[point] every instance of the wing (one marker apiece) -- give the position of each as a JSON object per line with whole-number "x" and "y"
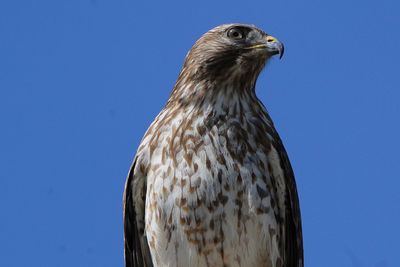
{"x": 137, "y": 253}
{"x": 293, "y": 231}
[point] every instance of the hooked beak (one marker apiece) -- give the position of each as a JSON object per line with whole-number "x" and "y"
{"x": 271, "y": 45}
{"x": 274, "y": 46}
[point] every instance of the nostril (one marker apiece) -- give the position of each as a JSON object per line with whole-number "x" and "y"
{"x": 270, "y": 40}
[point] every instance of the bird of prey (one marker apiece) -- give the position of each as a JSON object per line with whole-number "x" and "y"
{"x": 211, "y": 184}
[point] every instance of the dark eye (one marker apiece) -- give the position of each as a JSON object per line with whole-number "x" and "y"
{"x": 236, "y": 34}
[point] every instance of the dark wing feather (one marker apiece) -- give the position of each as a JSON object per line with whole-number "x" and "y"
{"x": 293, "y": 231}
{"x": 137, "y": 253}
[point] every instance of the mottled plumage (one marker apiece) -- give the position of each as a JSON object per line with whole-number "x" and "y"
{"x": 211, "y": 183}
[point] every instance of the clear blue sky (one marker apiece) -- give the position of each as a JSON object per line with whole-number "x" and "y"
{"x": 80, "y": 81}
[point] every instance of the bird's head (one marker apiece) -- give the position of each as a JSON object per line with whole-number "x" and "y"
{"x": 231, "y": 51}
{"x": 226, "y": 59}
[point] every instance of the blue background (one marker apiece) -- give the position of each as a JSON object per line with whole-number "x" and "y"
{"x": 80, "y": 81}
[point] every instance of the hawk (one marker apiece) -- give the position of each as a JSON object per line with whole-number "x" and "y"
{"x": 211, "y": 183}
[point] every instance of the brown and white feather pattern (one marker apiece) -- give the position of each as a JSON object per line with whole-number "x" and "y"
{"x": 209, "y": 186}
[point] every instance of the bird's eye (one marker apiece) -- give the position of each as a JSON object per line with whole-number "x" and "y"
{"x": 236, "y": 34}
